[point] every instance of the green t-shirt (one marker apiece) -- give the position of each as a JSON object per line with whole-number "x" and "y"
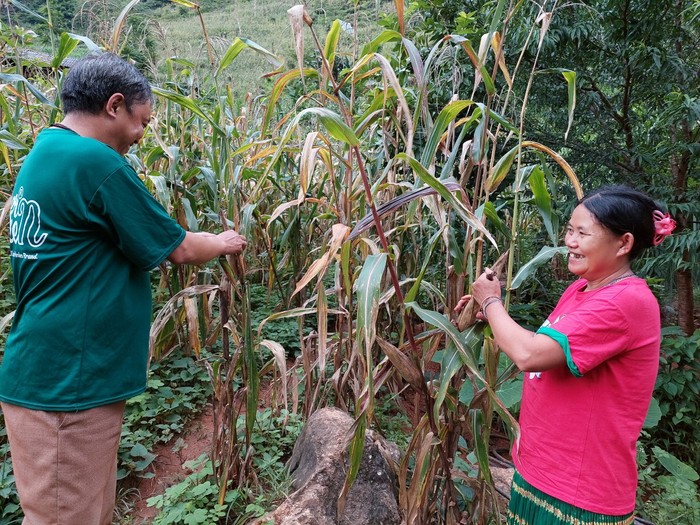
{"x": 84, "y": 234}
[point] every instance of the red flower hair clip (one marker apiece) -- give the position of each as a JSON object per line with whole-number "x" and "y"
{"x": 663, "y": 226}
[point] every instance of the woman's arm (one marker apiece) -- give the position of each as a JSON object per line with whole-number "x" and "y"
{"x": 529, "y": 351}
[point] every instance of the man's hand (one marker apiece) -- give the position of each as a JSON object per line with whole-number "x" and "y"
{"x": 200, "y": 247}
{"x": 234, "y": 243}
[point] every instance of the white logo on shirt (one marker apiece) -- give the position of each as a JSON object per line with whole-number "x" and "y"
{"x": 25, "y": 222}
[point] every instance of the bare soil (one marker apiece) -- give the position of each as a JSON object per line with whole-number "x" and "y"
{"x": 168, "y": 465}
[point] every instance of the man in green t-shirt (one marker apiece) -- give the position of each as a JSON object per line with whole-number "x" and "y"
{"x": 84, "y": 234}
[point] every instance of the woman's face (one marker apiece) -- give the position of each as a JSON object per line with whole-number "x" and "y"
{"x": 594, "y": 251}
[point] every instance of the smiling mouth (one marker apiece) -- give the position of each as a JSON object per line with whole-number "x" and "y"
{"x": 575, "y": 256}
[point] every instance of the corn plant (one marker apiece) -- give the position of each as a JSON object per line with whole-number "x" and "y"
{"x": 369, "y": 211}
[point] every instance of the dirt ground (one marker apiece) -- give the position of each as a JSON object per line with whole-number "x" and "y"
{"x": 167, "y": 467}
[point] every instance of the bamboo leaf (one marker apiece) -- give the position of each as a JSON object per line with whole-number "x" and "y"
{"x": 529, "y": 268}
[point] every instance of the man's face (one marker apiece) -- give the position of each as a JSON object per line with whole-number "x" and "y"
{"x": 130, "y": 125}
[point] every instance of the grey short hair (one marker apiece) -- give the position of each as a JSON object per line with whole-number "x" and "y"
{"x": 95, "y": 78}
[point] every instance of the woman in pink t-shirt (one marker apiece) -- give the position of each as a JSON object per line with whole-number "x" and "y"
{"x": 589, "y": 370}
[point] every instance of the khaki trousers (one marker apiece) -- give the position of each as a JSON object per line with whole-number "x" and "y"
{"x": 65, "y": 463}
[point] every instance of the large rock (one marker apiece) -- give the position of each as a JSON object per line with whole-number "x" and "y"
{"x": 318, "y": 467}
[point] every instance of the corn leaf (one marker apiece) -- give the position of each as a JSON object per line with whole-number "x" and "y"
{"x": 529, "y": 268}
{"x": 13, "y": 79}
{"x": 456, "y": 204}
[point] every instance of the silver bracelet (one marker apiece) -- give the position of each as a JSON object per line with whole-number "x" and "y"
{"x": 488, "y": 301}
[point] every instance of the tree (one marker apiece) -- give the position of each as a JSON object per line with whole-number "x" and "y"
{"x": 637, "y": 65}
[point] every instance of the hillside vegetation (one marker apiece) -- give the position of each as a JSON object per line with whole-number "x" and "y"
{"x": 266, "y": 23}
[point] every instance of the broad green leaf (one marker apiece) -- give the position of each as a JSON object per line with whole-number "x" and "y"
{"x": 85, "y": 40}
{"x": 653, "y": 414}
{"x": 489, "y": 210}
{"x": 560, "y": 161}
{"x": 367, "y": 287}
{"x": 529, "y": 268}
{"x": 19, "y": 5}
{"x": 481, "y": 446}
{"x": 12, "y": 78}
{"x": 65, "y": 48}
{"x": 11, "y": 141}
{"x": 465, "y": 342}
{"x": 511, "y": 392}
{"x": 384, "y": 37}
{"x": 500, "y": 170}
{"x": 448, "y": 114}
{"x": 356, "y": 448}
{"x": 676, "y": 466}
{"x": 333, "y": 123}
{"x": 231, "y": 53}
{"x": 450, "y": 364}
{"x": 543, "y": 200}
{"x": 332, "y": 42}
{"x": 187, "y": 103}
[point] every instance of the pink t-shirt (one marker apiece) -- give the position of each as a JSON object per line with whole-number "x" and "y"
{"x": 580, "y": 422}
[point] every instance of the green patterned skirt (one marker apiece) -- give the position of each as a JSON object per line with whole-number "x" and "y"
{"x": 530, "y": 506}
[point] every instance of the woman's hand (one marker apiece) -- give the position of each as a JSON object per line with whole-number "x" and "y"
{"x": 487, "y": 285}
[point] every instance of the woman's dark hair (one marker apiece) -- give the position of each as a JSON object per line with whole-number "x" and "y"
{"x": 95, "y": 78}
{"x": 621, "y": 210}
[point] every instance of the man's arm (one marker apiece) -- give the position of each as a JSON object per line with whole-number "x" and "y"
{"x": 200, "y": 247}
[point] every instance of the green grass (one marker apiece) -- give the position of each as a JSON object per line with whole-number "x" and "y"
{"x": 266, "y": 23}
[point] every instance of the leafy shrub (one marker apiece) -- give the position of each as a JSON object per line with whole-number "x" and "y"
{"x": 9, "y": 502}
{"x": 176, "y": 392}
{"x": 665, "y": 498}
{"x": 194, "y": 500}
{"x": 678, "y": 393}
